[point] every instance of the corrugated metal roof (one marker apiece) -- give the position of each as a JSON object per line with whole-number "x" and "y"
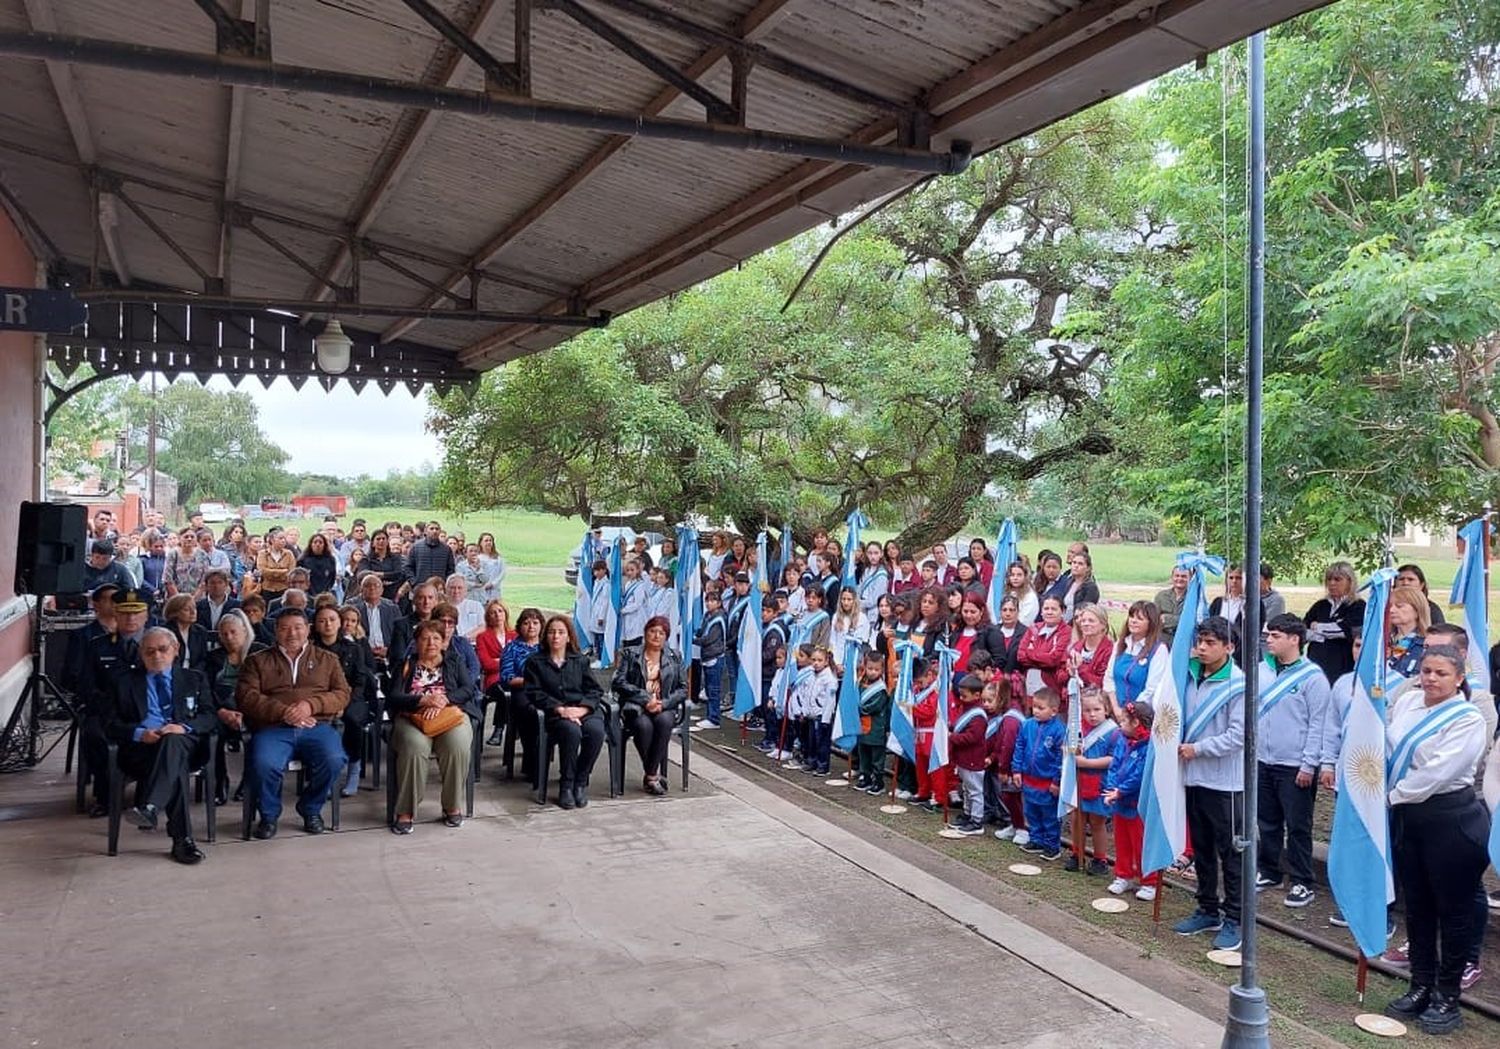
{"x": 648, "y": 218}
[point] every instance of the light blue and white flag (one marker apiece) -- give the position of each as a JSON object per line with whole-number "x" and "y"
{"x": 689, "y": 589}
{"x": 612, "y": 611}
{"x": 1163, "y": 804}
{"x": 939, "y": 756}
{"x": 1067, "y": 795}
{"x": 583, "y": 598}
{"x": 1468, "y": 590}
{"x": 747, "y": 678}
{"x": 856, "y": 522}
{"x": 1006, "y": 544}
{"x": 846, "y": 716}
{"x": 903, "y": 735}
{"x": 1359, "y": 867}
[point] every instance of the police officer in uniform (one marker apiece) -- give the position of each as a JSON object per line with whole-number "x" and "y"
{"x": 107, "y": 657}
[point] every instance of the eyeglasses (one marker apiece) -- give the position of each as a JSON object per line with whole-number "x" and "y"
{"x": 450, "y": 622}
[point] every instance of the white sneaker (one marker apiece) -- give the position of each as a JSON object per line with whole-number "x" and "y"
{"x": 1006, "y": 833}
{"x": 1120, "y": 886}
{"x": 1022, "y": 837}
{"x": 904, "y": 795}
{"x": 706, "y": 725}
{"x": 792, "y": 766}
{"x": 1146, "y": 892}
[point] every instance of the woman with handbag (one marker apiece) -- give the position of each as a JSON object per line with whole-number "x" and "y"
{"x": 559, "y": 682}
{"x": 430, "y": 714}
{"x": 651, "y": 686}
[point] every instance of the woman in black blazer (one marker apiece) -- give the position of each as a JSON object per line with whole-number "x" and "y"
{"x": 193, "y": 641}
{"x": 560, "y": 683}
{"x": 651, "y": 687}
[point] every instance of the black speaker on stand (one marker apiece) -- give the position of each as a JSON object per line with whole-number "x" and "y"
{"x": 50, "y": 541}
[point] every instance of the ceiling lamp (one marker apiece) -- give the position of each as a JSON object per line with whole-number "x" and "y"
{"x": 333, "y": 349}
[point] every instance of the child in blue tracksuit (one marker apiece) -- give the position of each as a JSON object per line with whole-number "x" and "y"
{"x": 711, "y": 639}
{"x": 1037, "y": 770}
{"x": 819, "y": 701}
{"x": 1122, "y": 793}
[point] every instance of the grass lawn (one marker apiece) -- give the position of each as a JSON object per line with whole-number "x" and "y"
{"x": 537, "y": 546}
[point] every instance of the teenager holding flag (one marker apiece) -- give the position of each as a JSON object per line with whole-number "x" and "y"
{"x": 1006, "y": 555}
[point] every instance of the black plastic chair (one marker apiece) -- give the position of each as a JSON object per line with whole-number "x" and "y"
{"x": 681, "y": 728}
{"x": 250, "y": 808}
{"x": 203, "y": 790}
{"x": 545, "y": 747}
{"x": 476, "y": 751}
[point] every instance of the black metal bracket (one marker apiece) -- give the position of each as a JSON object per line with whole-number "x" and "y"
{"x": 498, "y": 75}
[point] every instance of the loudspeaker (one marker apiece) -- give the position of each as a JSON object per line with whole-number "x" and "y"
{"x": 50, "y": 548}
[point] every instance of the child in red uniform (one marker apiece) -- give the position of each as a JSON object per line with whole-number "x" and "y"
{"x": 1011, "y": 704}
{"x": 1122, "y": 793}
{"x": 966, "y": 748}
{"x": 924, "y": 718}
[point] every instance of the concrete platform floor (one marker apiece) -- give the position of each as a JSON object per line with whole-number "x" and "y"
{"x": 725, "y": 917}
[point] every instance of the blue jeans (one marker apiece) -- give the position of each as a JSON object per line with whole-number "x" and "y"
{"x": 1041, "y": 818}
{"x": 817, "y": 743}
{"x": 321, "y": 752}
{"x": 713, "y": 689}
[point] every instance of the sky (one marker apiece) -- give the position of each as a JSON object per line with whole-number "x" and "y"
{"x": 343, "y": 433}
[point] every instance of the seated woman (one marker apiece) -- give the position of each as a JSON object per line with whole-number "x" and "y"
{"x": 180, "y": 615}
{"x": 328, "y": 634}
{"x": 651, "y": 685}
{"x": 236, "y": 642}
{"x": 519, "y": 711}
{"x": 489, "y": 645}
{"x": 435, "y": 695}
{"x": 560, "y": 683}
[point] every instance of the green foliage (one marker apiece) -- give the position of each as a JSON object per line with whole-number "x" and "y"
{"x": 406, "y": 488}
{"x": 90, "y": 418}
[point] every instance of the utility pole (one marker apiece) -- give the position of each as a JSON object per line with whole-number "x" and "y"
{"x": 1249, "y": 1023}
{"x": 151, "y": 448}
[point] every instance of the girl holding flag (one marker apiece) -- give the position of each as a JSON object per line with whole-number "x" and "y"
{"x": 1434, "y": 740}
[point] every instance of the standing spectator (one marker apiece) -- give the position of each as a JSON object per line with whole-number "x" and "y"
{"x": 1334, "y": 621}
{"x": 1090, "y": 655}
{"x": 1050, "y": 580}
{"x": 430, "y": 556}
{"x": 235, "y": 543}
{"x": 275, "y": 565}
{"x": 1141, "y": 660}
{"x": 494, "y": 575}
{"x": 103, "y": 570}
{"x": 984, "y": 564}
{"x": 322, "y": 567}
{"x": 1413, "y": 576}
{"x": 1231, "y": 605}
{"x": 1272, "y": 601}
{"x": 1169, "y": 603}
{"x": 180, "y": 614}
{"x": 1409, "y": 626}
{"x": 153, "y": 560}
{"x": 1018, "y": 586}
{"x": 1082, "y": 589}
{"x": 1044, "y": 650}
{"x": 944, "y": 572}
{"x": 389, "y": 565}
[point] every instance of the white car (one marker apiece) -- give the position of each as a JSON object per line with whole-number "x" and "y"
{"x": 214, "y": 513}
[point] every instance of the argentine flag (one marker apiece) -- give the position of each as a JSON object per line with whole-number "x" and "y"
{"x": 856, "y": 521}
{"x": 612, "y": 611}
{"x": 1005, "y": 554}
{"x": 747, "y": 680}
{"x": 846, "y": 715}
{"x": 1163, "y": 802}
{"x": 689, "y": 590}
{"x": 939, "y": 756}
{"x": 1468, "y": 590}
{"x": 583, "y": 596}
{"x": 902, "y": 739}
{"x": 1067, "y": 796}
{"x": 1359, "y": 868}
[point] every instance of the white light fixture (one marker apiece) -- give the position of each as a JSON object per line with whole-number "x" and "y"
{"x": 333, "y": 349}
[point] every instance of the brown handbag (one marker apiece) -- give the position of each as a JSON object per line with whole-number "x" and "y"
{"x": 449, "y": 717}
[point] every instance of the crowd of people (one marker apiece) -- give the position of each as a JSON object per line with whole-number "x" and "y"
{"x": 289, "y": 652}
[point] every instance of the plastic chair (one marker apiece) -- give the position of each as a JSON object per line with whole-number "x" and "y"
{"x": 545, "y": 746}
{"x": 475, "y": 753}
{"x": 681, "y": 728}
{"x": 203, "y": 790}
{"x": 250, "y": 808}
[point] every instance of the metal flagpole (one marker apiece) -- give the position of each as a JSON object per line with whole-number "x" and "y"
{"x": 1248, "y": 1025}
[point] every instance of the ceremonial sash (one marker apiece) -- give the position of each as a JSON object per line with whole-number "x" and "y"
{"x": 967, "y": 717}
{"x": 805, "y": 628}
{"x": 629, "y": 590}
{"x": 1286, "y": 683}
{"x": 870, "y": 690}
{"x": 1098, "y": 732}
{"x": 1435, "y": 720}
{"x": 865, "y": 586}
{"x": 804, "y": 675}
{"x": 1209, "y": 706}
{"x": 993, "y": 726}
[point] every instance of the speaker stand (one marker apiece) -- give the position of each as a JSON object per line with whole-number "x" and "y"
{"x": 20, "y": 747}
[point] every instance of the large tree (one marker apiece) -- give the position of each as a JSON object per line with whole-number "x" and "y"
{"x": 955, "y": 341}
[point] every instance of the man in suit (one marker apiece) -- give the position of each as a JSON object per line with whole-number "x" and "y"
{"x": 382, "y": 622}
{"x": 161, "y": 717}
{"x": 216, "y": 599}
{"x": 107, "y": 657}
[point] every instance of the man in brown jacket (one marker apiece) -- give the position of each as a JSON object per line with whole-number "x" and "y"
{"x": 291, "y": 696}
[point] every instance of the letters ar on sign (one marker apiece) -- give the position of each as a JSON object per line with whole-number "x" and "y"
{"x": 37, "y": 309}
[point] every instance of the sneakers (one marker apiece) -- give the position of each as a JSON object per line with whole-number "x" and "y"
{"x": 765, "y": 746}
{"x": 1032, "y": 849}
{"x": 1441, "y": 1015}
{"x": 1072, "y": 863}
{"x": 1337, "y": 919}
{"x": 1228, "y": 938}
{"x": 875, "y": 789}
{"x": 1146, "y": 892}
{"x": 1265, "y": 881}
{"x": 1398, "y": 955}
{"x": 904, "y": 795}
{"x": 706, "y": 724}
{"x": 1097, "y": 866}
{"x": 1005, "y": 833}
{"x": 1120, "y": 886}
{"x": 1021, "y": 837}
{"x": 1410, "y": 1005}
{"x": 792, "y": 766}
{"x": 1198, "y": 922}
{"x": 1054, "y": 854}
{"x": 967, "y": 828}
{"x": 1472, "y": 975}
{"x": 1494, "y": 901}
{"x": 1299, "y": 896}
